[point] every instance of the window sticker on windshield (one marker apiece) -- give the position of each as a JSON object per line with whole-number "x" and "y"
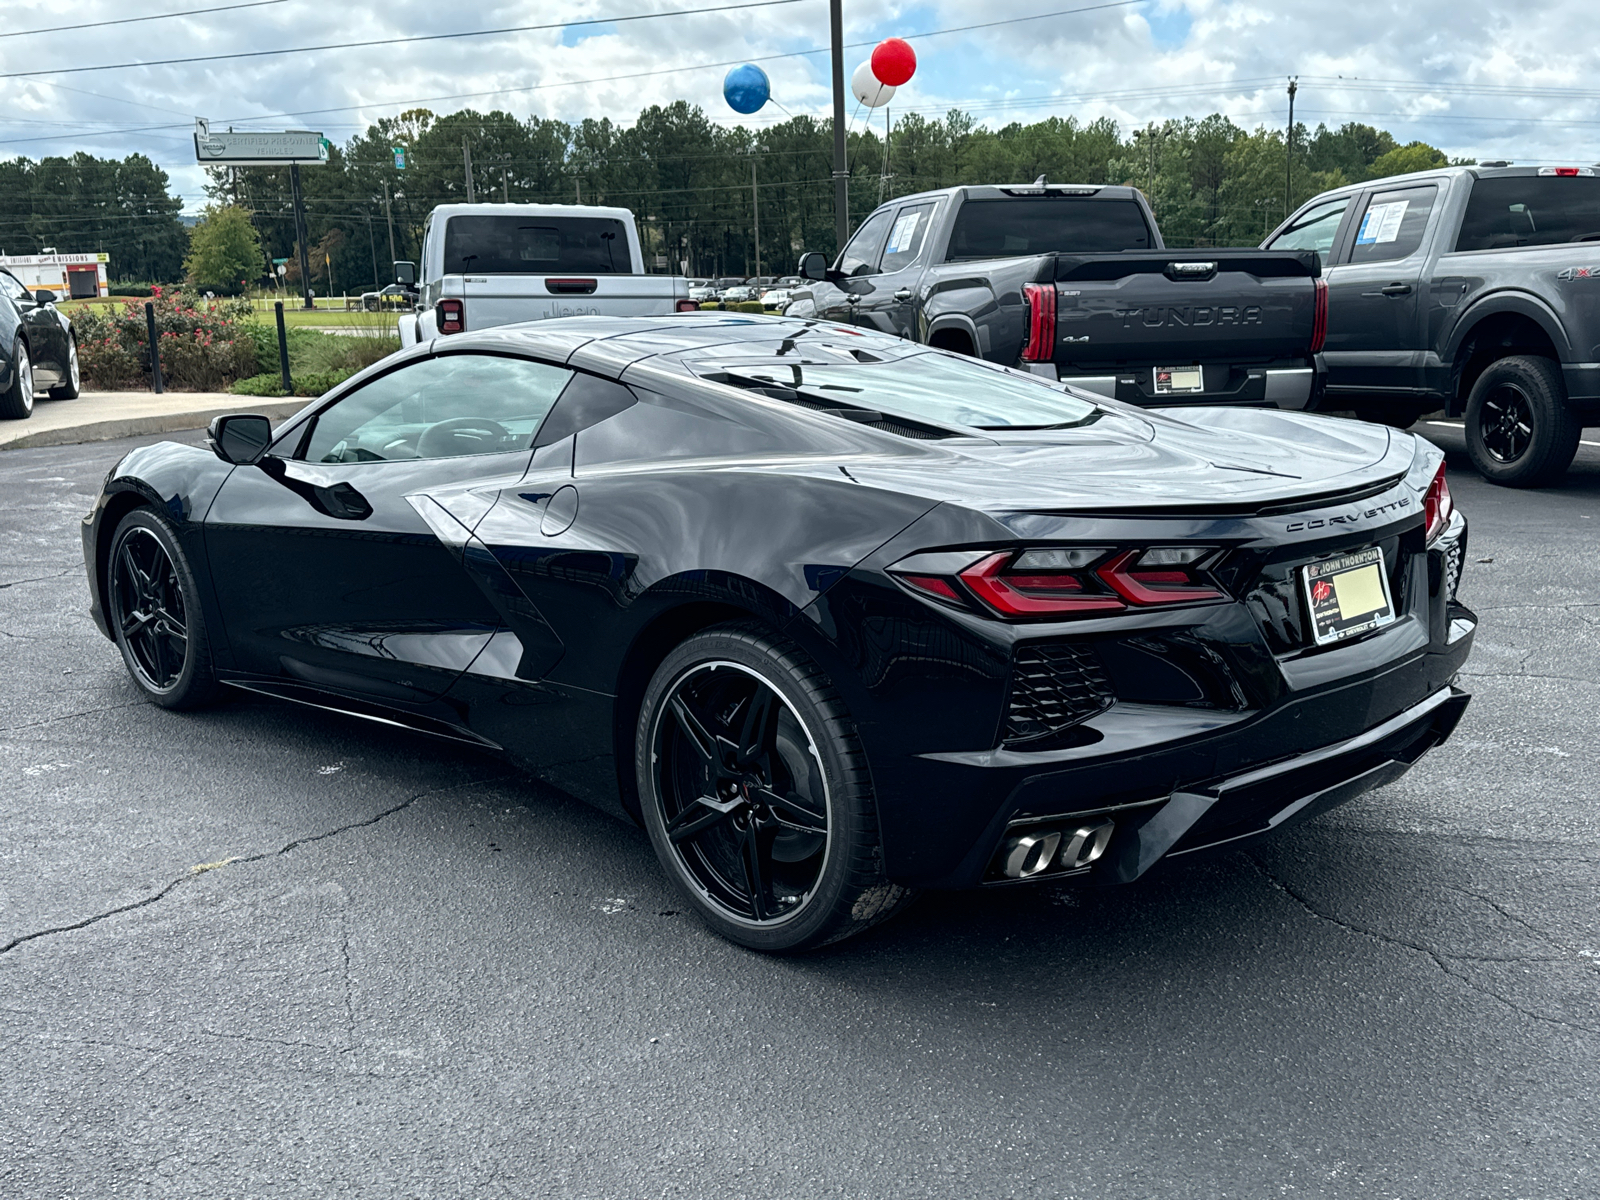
{"x": 1382, "y": 223}
{"x": 904, "y": 230}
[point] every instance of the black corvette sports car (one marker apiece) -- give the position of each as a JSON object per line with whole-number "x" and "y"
{"x": 38, "y": 349}
{"x": 835, "y": 616}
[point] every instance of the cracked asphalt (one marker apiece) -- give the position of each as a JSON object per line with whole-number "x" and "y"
{"x": 268, "y": 952}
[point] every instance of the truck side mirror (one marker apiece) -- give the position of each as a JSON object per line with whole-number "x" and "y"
{"x": 405, "y": 273}
{"x": 239, "y": 438}
{"x": 813, "y": 266}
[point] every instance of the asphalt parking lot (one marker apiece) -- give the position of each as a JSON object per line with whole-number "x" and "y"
{"x": 263, "y": 951}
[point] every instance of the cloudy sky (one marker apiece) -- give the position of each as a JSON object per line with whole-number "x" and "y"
{"x": 1502, "y": 80}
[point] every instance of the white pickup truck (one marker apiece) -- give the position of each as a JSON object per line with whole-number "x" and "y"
{"x": 499, "y": 264}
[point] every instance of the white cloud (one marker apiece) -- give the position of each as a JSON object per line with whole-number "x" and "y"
{"x": 1151, "y": 61}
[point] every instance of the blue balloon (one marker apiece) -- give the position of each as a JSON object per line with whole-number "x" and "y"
{"x": 746, "y": 88}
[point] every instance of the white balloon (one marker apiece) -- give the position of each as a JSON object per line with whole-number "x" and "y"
{"x": 867, "y": 89}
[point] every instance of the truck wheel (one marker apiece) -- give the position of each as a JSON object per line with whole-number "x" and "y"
{"x": 1520, "y": 432}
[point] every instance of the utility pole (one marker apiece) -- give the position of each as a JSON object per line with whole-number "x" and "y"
{"x": 372, "y": 244}
{"x": 1288, "y": 157}
{"x": 466, "y": 160}
{"x": 841, "y": 177}
{"x": 755, "y": 212}
{"x": 505, "y": 185}
{"x": 300, "y": 232}
{"x": 389, "y": 216}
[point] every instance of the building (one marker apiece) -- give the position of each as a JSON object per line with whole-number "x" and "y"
{"x": 74, "y": 276}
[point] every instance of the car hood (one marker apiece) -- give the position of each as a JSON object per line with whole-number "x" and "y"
{"x": 1199, "y": 460}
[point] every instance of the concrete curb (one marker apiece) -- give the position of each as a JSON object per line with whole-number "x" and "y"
{"x": 170, "y": 422}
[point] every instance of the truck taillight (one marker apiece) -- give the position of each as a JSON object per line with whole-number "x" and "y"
{"x": 1041, "y": 301}
{"x": 1566, "y": 172}
{"x": 1319, "y": 318}
{"x": 687, "y": 306}
{"x": 452, "y": 316}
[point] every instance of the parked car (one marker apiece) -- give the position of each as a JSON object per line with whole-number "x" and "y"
{"x": 394, "y": 296}
{"x": 719, "y": 287}
{"x": 498, "y": 264}
{"x": 700, "y": 290}
{"x": 1475, "y": 290}
{"x": 833, "y": 615}
{"x": 738, "y": 294}
{"x": 776, "y": 299}
{"x": 38, "y": 348}
{"x": 1072, "y": 282}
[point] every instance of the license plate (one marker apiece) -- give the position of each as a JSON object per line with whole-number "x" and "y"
{"x": 1179, "y": 379}
{"x": 1347, "y": 595}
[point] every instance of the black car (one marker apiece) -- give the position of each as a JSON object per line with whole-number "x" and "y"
{"x": 38, "y": 349}
{"x": 835, "y": 616}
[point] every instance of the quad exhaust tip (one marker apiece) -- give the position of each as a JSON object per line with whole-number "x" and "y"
{"x": 1053, "y": 851}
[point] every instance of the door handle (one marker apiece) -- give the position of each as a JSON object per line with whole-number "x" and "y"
{"x": 1397, "y": 289}
{"x": 903, "y": 295}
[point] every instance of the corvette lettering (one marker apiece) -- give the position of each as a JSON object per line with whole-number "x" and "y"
{"x": 1348, "y": 518}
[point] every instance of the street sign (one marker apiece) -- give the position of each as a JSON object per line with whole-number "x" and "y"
{"x": 399, "y": 158}
{"x": 232, "y": 149}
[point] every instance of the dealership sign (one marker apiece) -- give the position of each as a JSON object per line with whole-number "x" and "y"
{"x": 250, "y": 149}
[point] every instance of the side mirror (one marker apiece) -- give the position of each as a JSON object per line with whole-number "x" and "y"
{"x": 405, "y": 273}
{"x": 240, "y": 438}
{"x": 45, "y": 296}
{"x": 813, "y": 266}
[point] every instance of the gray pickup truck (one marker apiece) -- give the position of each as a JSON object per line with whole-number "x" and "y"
{"x": 1475, "y": 290}
{"x": 1073, "y": 282}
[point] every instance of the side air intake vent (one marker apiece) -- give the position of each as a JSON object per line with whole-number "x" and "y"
{"x": 1054, "y": 686}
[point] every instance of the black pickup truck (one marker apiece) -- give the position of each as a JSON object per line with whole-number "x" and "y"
{"x": 1074, "y": 282}
{"x": 1475, "y": 290}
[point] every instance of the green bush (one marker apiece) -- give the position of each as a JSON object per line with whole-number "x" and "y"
{"x": 142, "y": 290}
{"x": 205, "y": 345}
{"x": 749, "y": 306}
{"x": 310, "y": 384}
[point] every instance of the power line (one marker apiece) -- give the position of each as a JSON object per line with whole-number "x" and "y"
{"x": 190, "y": 12}
{"x": 424, "y": 37}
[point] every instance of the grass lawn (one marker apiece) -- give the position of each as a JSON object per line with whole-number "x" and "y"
{"x": 296, "y": 318}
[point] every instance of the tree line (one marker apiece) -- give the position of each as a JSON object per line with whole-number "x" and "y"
{"x": 697, "y": 187}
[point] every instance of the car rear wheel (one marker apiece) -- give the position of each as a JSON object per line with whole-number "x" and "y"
{"x": 67, "y": 389}
{"x": 154, "y": 607}
{"x": 756, "y": 794}
{"x": 17, "y": 402}
{"x": 1520, "y": 432}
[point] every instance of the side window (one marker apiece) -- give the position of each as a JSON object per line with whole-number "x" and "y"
{"x": 904, "y": 242}
{"x": 1393, "y": 224}
{"x": 442, "y": 407}
{"x": 860, "y": 257}
{"x": 1314, "y": 229}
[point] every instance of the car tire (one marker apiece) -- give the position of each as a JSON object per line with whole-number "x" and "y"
{"x": 16, "y": 403}
{"x": 154, "y": 609}
{"x": 69, "y": 390}
{"x": 785, "y": 857}
{"x": 1520, "y": 431}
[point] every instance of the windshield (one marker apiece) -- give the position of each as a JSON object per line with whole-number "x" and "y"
{"x": 937, "y": 388}
{"x": 531, "y": 245}
{"x": 1047, "y": 225}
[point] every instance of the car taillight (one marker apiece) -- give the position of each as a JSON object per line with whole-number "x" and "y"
{"x": 1437, "y": 507}
{"x": 687, "y": 306}
{"x": 1062, "y": 581}
{"x": 1319, "y": 318}
{"x": 452, "y": 316}
{"x": 1041, "y": 300}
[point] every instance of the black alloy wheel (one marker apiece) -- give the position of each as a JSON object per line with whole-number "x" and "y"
{"x": 155, "y": 615}
{"x": 17, "y": 401}
{"x": 1520, "y": 431}
{"x": 755, "y": 794}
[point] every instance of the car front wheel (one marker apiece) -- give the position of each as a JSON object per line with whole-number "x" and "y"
{"x": 155, "y": 614}
{"x": 756, "y": 794}
{"x": 17, "y": 401}
{"x": 1520, "y": 432}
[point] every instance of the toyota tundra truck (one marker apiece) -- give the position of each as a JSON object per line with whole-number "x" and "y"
{"x": 498, "y": 264}
{"x": 1074, "y": 282}
{"x": 1475, "y": 290}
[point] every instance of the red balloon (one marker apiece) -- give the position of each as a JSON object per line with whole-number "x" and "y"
{"x": 893, "y": 62}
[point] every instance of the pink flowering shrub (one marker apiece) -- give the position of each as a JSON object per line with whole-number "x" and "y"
{"x": 205, "y": 344}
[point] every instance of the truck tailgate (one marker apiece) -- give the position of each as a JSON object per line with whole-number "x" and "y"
{"x": 507, "y": 299}
{"x": 1178, "y": 307}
